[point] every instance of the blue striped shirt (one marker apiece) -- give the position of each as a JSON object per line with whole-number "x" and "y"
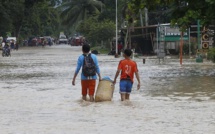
{"x": 80, "y": 65}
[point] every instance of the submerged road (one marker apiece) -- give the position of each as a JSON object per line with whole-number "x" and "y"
{"x": 37, "y": 97}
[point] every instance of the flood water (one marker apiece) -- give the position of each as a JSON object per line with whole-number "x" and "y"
{"x": 37, "y": 97}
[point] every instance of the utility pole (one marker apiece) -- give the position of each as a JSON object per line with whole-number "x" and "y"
{"x": 189, "y": 42}
{"x": 199, "y": 59}
{"x": 146, "y": 16}
{"x": 116, "y": 30}
{"x": 146, "y": 19}
{"x": 198, "y": 31}
{"x": 141, "y": 20}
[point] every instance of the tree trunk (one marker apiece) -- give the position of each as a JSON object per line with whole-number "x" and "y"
{"x": 18, "y": 31}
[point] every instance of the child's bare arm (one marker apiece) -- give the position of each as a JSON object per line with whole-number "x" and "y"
{"x": 117, "y": 74}
{"x": 100, "y": 78}
{"x": 73, "y": 80}
{"x": 138, "y": 79}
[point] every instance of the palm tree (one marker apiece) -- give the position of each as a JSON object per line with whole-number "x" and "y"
{"x": 78, "y": 10}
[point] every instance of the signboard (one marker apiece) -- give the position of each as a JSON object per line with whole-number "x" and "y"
{"x": 171, "y": 34}
{"x": 175, "y": 38}
{"x": 173, "y": 31}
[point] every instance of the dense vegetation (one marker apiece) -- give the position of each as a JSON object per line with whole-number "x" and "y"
{"x": 95, "y": 19}
{"x": 24, "y": 18}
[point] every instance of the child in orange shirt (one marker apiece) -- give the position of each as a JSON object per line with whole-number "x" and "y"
{"x": 128, "y": 68}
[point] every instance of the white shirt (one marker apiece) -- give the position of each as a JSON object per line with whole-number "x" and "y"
{"x": 3, "y": 44}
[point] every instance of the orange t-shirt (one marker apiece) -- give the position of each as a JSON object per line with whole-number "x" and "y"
{"x": 128, "y": 68}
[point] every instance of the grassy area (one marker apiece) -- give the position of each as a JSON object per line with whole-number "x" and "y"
{"x": 101, "y": 50}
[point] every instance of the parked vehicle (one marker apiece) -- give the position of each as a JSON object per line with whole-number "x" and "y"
{"x": 77, "y": 41}
{"x": 63, "y": 39}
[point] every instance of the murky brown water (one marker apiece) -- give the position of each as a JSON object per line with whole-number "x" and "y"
{"x": 36, "y": 96}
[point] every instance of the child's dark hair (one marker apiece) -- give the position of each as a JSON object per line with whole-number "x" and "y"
{"x": 86, "y": 48}
{"x": 128, "y": 52}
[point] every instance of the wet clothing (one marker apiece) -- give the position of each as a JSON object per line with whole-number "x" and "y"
{"x": 88, "y": 87}
{"x": 80, "y": 65}
{"x": 125, "y": 86}
{"x": 88, "y": 84}
{"x": 128, "y": 68}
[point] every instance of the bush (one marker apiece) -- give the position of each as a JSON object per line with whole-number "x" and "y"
{"x": 211, "y": 54}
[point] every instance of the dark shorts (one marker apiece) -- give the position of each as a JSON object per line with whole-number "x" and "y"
{"x": 125, "y": 86}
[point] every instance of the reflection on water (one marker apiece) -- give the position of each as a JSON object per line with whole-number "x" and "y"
{"x": 192, "y": 86}
{"x": 36, "y": 96}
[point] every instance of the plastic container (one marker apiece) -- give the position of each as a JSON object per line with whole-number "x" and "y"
{"x": 104, "y": 91}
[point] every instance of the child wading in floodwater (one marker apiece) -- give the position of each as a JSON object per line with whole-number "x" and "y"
{"x": 128, "y": 68}
{"x": 90, "y": 67}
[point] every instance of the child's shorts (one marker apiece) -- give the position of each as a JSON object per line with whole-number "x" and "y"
{"x": 125, "y": 86}
{"x": 88, "y": 87}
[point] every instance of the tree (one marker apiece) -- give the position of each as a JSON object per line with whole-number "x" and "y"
{"x": 182, "y": 12}
{"x": 77, "y": 10}
{"x": 5, "y": 23}
{"x": 97, "y": 31}
{"x": 187, "y": 12}
{"x": 28, "y": 17}
{"x": 109, "y": 10}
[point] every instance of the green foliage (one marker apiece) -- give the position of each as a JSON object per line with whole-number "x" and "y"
{"x": 131, "y": 9}
{"x": 183, "y": 12}
{"x": 211, "y": 54}
{"x": 96, "y": 31}
{"x": 193, "y": 10}
{"x": 185, "y": 21}
{"x": 134, "y": 6}
{"x": 77, "y": 10}
{"x": 28, "y": 17}
{"x": 210, "y": 1}
{"x": 188, "y": 11}
{"x": 102, "y": 31}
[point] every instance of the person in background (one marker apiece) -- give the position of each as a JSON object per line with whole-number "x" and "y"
{"x": 120, "y": 47}
{"x": 16, "y": 46}
{"x": 127, "y": 68}
{"x": 1, "y": 40}
{"x": 49, "y": 41}
{"x": 3, "y": 45}
{"x": 12, "y": 44}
